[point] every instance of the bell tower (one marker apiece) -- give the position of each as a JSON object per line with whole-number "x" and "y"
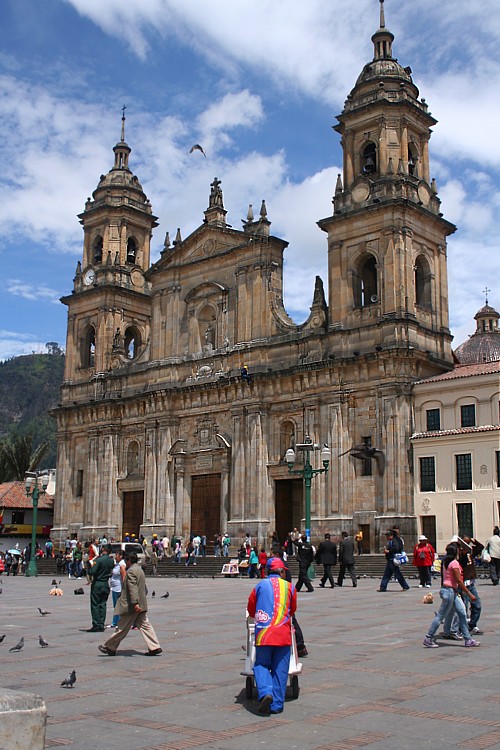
{"x": 109, "y": 310}
{"x": 387, "y": 236}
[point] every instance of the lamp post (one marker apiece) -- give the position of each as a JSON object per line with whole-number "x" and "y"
{"x": 35, "y": 486}
{"x": 308, "y": 472}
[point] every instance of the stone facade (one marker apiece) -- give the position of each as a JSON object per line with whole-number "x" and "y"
{"x": 186, "y": 381}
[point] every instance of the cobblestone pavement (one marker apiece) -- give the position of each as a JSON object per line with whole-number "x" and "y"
{"x": 367, "y": 682}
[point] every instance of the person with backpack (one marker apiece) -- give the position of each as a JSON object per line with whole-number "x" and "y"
{"x": 393, "y": 546}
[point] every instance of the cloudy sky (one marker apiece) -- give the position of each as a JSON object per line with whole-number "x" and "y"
{"x": 259, "y": 85}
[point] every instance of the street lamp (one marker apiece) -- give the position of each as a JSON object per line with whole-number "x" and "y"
{"x": 36, "y": 484}
{"x": 308, "y": 472}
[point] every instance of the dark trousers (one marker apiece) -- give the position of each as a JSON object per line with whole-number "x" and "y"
{"x": 391, "y": 569}
{"x": 327, "y": 575}
{"x": 349, "y": 567}
{"x": 99, "y": 593}
{"x": 495, "y": 570}
{"x": 304, "y": 578}
{"x": 424, "y": 573}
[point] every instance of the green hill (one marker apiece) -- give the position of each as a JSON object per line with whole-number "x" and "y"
{"x": 29, "y": 386}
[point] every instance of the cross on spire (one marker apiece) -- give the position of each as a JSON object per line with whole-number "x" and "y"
{"x": 382, "y": 16}
{"x": 485, "y": 292}
{"x": 123, "y": 124}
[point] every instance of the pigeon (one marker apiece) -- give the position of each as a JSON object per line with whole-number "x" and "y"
{"x": 43, "y": 612}
{"x": 153, "y": 594}
{"x": 2, "y": 637}
{"x": 54, "y": 582}
{"x": 18, "y": 647}
{"x": 41, "y": 640}
{"x": 165, "y": 596}
{"x": 69, "y": 681}
{"x": 197, "y": 147}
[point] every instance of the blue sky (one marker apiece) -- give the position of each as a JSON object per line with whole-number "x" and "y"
{"x": 259, "y": 85}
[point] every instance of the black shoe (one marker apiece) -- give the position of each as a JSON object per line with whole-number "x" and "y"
{"x": 106, "y": 651}
{"x": 154, "y": 652}
{"x": 277, "y": 711}
{"x": 264, "y": 705}
{"x": 322, "y": 585}
{"x": 94, "y": 630}
{"x": 354, "y": 585}
{"x": 302, "y": 651}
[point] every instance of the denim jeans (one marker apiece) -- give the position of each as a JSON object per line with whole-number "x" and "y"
{"x": 460, "y": 611}
{"x": 475, "y": 610}
{"x": 391, "y": 569}
{"x": 447, "y": 601}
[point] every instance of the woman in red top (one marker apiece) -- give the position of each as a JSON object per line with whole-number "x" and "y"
{"x": 262, "y": 561}
{"x": 423, "y": 559}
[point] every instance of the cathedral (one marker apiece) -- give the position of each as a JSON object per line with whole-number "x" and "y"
{"x": 187, "y": 382}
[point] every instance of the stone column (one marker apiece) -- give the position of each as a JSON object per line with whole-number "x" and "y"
{"x": 238, "y": 474}
{"x": 150, "y": 476}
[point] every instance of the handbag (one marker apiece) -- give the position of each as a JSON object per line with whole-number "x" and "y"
{"x": 400, "y": 558}
{"x": 311, "y": 573}
{"x": 485, "y": 556}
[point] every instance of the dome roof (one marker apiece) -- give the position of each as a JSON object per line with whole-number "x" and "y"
{"x": 484, "y": 344}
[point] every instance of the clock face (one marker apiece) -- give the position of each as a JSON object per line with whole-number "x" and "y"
{"x": 89, "y": 277}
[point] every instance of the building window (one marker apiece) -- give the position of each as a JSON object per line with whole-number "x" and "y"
{"x": 464, "y": 471}
{"x": 97, "y": 249}
{"x": 464, "y": 520}
{"x": 498, "y": 468}
{"x": 131, "y": 250}
{"x": 88, "y": 347}
{"x": 427, "y": 474}
{"x": 132, "y": 343}
{"x": 422, "y": 283}
{"x": 468, "y": 415}
{"x": 433, "y": 420}
{"x": 365, "y": 283}
{"x": 79, "y": 483}
{"x": 18, "y": 516}
{"x": 369, "y": 159}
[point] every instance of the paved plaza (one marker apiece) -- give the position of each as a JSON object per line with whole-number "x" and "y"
{"x": 367, "y": 682}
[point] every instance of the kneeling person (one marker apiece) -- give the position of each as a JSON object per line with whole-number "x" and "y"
{"x": 272, "y": 603}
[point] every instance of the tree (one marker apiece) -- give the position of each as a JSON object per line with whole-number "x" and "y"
{"x": 17, "y": 457}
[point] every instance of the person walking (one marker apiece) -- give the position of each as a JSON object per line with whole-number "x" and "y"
{"x": 346, "y": 560}
{"x": 253, "y": 562}
{"x": 423, "y": 559}
{"x": 100, "y": 572}
{"x": 327, "y": 557}
{"x": 272, "y": 603}
{"x": 451, "y": 586}
{"x": 116, "y": 583}
{"x": 132, "y": 608}
{"x": 393, "y": 546}
{"x": 305, "y": 556}
{"x": 493, "y": 549}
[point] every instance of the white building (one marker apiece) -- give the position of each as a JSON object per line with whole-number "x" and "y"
{"x": 456, "y": 444}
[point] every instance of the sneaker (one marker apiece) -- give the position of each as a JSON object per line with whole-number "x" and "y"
{"x": 471, "y": 642}
{"x": 420, "y": 585}
{"x": 451, "y": 636}
{"x": 264, "y": 705}
{"x": 476, "y": 631}
{"x": 429, "y": 643}
{"x": 428, "y": 586}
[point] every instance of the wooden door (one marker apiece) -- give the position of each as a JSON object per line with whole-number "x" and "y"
{"x": 428, "y": 528}
{"x": 133, "y": 511}
{"x": 289, "y": 502}
{"x": 206, "y": 505}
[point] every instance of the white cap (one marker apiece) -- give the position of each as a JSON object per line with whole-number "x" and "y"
{"x": 422, "y": 538}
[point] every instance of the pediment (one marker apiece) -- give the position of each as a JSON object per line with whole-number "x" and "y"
{"x": 205, "y": 243}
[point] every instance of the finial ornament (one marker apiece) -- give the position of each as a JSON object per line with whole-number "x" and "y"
{"x": 485, "y": 292}
{"x": 382, "y": 15}
{"x": 123, "y": 124}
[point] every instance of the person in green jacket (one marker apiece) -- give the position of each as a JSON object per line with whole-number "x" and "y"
{"x": 100, "y": 572}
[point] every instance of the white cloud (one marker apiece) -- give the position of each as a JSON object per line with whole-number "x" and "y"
{"x": 14, "y": 344}
{"x": 42, "y": 293}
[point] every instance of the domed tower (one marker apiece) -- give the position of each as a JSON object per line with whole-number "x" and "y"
{"x": 484, "y": 344}
{"x": 109, "y": 309}
{"x": 387, "y": 237}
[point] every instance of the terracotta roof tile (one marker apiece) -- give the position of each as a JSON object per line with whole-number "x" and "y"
{"x": 465, "y": 371}
{"x": 13, "y": 495}
{"x": 457, "y": 431}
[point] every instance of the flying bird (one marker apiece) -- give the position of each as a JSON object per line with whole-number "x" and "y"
{"x": 43, "y": 612}
{"x": 41, "y": 640}
{"x": 367, "y": 452}
{"x": 2, "y": 637}
{"x": 165, "y": 596}
{"x": 69, "y": 681}
{"x": 17, "y": 647}
{"x": 197, "y": 147}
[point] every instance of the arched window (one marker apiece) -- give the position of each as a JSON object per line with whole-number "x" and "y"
{"x": 412, "y": 160}
{"x": 365, "y": 283}
{"x": 422, "y": 283}
{"x": 88, "y": 347}
{"x": 131, "y": 250}
{"x": 132, "y": 343}
{"x": 369, "y": 159}
{"x": 287, "y": 438}
{"x": 97, "y": 249}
